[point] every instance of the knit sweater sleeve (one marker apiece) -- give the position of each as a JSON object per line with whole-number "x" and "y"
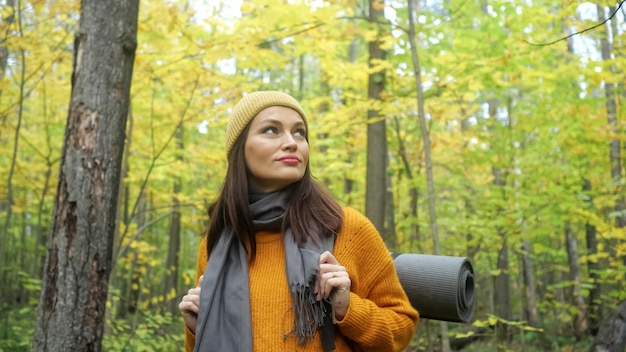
{"x": 201, "y": 263}
{"x": 380, "y": 316}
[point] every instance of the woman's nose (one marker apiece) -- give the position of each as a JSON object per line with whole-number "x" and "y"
{"x": 289, "y": 142}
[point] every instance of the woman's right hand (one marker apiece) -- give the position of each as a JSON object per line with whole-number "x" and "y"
{"x": 190, "y": 306}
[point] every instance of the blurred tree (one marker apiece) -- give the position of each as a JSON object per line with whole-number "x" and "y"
{"x": 377, "y": 160}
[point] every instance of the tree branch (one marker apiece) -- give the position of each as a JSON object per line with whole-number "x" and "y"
{"x": 580, "y": 32}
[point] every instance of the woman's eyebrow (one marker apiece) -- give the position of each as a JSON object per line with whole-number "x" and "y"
{"x": 279, "y": 121}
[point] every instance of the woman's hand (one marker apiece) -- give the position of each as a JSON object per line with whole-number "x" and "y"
{"x": 190, "y": 306}
{"x": 334, "y": 281}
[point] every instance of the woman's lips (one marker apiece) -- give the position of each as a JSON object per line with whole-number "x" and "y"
{"x": 290, "y": 160}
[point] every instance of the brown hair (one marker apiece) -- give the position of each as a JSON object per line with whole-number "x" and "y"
{"x": 311, "y": 214}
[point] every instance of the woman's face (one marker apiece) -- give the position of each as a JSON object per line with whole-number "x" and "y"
{"x": 276, "y": 149}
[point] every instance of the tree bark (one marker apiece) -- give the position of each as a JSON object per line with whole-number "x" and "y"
{"x": 73, "y": 299}
{"x": 375, "y": 183}
{"x": 612, "y": 334}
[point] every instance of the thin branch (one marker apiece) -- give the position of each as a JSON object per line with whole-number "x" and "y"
{"x": 291, "y": 34}
{"x": 155, "y": 157}
{"x": 43, "y": 74}
{"x": 580, "y": 32}
{"x": 140, "y": 230}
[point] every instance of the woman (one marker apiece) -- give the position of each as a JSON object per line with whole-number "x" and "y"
{"x": 289, "y": 269}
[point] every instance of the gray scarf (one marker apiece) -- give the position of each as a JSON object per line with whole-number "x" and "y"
{"x": 224, "y": 322}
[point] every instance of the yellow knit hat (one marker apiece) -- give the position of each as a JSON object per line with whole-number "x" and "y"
{"x": 252, "y": 104}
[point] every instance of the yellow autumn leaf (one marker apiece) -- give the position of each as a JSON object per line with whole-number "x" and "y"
{"x": 464, "y": 335}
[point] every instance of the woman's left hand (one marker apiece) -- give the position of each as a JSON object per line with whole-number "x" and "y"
{"x": 334, "y": 281}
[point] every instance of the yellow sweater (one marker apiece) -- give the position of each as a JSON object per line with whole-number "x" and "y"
{"x": 379, "y": 318}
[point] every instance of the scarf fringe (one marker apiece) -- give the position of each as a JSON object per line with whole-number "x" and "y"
{"x": 309, "y": 313}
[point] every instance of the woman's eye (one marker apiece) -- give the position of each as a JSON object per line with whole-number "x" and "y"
{"x": 270, "y": 130}
{"x": 300, "y": 132}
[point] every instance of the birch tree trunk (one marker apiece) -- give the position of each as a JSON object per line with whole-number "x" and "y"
{"x": 73, "y": 298}
{"x": 445, "y": 339}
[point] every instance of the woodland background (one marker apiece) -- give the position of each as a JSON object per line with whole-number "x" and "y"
{"x": 525, "y": 145}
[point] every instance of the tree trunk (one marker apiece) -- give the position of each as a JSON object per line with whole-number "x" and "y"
{"x": 571, "y": 245}
{"x": 424, "y": 130}
{"x": 502, "y": 280}
{"x": 123, "y": 220}
{"x": 390, "y": 219}
{"x": 376, "y": 131}
{"x": 529, "y": 285}
{"x": 136, "y": 268}
{"x": 323, "y": 109}
{"x": 22, "y": 294}
{"x": 614, "y": 126}
{"x": 445, "y": 340}
{"x": 414, "y": 233}
{"x": 593, "y": 267}
{"x": 9, "y": 8}
{"x": 20, "y": 109}
{"x": 41, "y": 230}
{"x": 348, "y": 182}
{"x": 73, "y": 298}
{"x": 612, "y": 334}
{"x": 171, "y": 281}
{"x": 502, "y": 293}
{"x": 472, "y": 246}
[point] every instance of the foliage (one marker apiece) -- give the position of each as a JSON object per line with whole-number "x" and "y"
{"x": 155, "y": 332}
{"x": 494, "y": 101}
